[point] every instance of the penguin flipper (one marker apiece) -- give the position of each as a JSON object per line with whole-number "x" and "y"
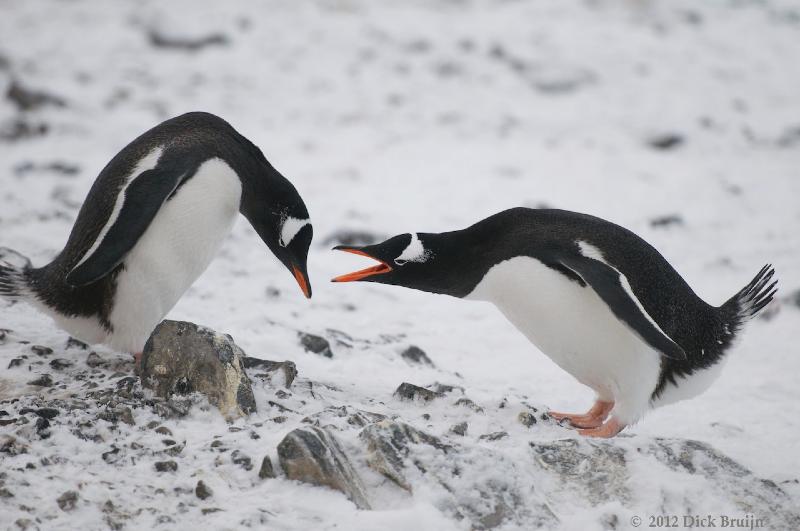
{"x": 615, "y": 290}
{"x": 143, "y": 198}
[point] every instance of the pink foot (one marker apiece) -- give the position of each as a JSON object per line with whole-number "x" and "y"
{"x": 591, "y": 419}
{"x": 606, "y": 431}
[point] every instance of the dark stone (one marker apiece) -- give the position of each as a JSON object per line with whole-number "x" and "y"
{"x": 60, "y": 364}
{"x": 316, "y": 344}
{"x": 111, "y": 456}
{"x": 266, "y": 471}
{"x": 48, "y": 413}
{"x": 39, "y": 350}
{"x": 5, "y": 493}
{"x": 187, "y": 44}
{"x": 6, "y": 422}
{"x": 166, "y": 466}
{"x": 182, "y": 357}
{"x": 3, "y": 333}
{"x": 466, "y": 402}
{"x": 22, "y": 129}
{"x": 68, "y": 500}
{"x": 43, "y": 381}
{"x": 671, "y": 220}
{"x": 666, "y": 141}
{"x": 16, "y": 362}
{"x": 355, "y": 238}
{"x": 459, "y": 429}
{"x": 244, "y": 461}
{"x": 407, "y": 391}
{"x": 495, "y": 436}
{"x": 76, "y": 343}
{"x": 526, "y": 419}
{"x": 313, "y": 455}
{"x": 285, "y": 368}
{"x": 163, "y": 430}
{"x": 446, "y": 388}
{"x": 202, "y": 491}
{"x": 27, "y": 99}
{"x": 94, "y": 360}
{"x": 415, "y": 354}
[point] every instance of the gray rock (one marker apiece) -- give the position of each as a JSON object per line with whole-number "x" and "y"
{"x": 39, "y": 350}
{"x": 182, "y": 358}
{"x": 286, "y": 370}
{"x": 241, "y": 459}
{"x": 389, "y": 445}
{"x": 313, "y": 455}
{"x": 60, "y": 364}
{"x": 186, "y": 44}
{"x": 266, "y": 471}
{"x": 666, "y": 141}
{"x": 459, "y": 429}
{"x": 466, "y": 402}
{"x": 44, "y": 380}
{"x": 407, "y": 391}
{"x": 352, "y": 237}
{"x": 316, "y": 344}
{"x": 166, "y": 466}
{"x": 416, "y": 355}
{"x": 76, "y": 343}
{"x": 202, "y": 491}
{"x": 27, "y": 99}
{"x": 494, "y": 436}
{"x": 526, "y": 418}
{"x": 68, "y": 500}
{"x": 94, "y": 360}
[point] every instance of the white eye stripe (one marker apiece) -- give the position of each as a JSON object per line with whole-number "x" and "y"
{"x": 291, "y": 226}
{"x": 415, "y": 252}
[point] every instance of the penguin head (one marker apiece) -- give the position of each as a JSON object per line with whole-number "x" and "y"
{"x": 278, "y": 214}
{"x": 407, "y": 260}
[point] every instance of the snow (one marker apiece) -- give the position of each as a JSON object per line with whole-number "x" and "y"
{"x": 426, "y": 116}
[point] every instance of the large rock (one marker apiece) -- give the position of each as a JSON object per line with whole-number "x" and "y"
{"x": 182, "y": 358}
{"x": 313, "y": 455}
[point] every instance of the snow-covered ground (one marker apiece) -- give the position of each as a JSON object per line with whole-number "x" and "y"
{"x": 411, "y": 116}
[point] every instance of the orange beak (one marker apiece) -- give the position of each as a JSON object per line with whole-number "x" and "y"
{"x": 379, "y": 269}
{"x": 301, "y": 281}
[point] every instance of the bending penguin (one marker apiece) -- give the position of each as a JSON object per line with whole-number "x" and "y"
{"x": 152, "y": 222}
{"x": 598, "y": 300}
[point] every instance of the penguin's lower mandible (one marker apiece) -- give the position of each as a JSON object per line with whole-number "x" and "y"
{"x": 600, "y": 301}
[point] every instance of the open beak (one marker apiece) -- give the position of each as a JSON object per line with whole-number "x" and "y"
{"x": 302, "y": 281}
{"x": 379, "y": 269}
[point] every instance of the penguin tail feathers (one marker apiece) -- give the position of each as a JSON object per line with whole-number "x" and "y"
{"x": 13, "y": 274}
{"x": 752, "y": 298}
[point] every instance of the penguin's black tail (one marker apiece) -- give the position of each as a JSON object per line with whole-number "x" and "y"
{"x": 13, "y": 274}
{"x": 751, "y": 299}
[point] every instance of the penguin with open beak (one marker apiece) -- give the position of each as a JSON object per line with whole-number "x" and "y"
{"x": 601, "y": 302}
{"x": 150, "y": 225}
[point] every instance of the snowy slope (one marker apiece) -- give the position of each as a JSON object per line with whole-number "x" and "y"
{"x": 412, "y": 116}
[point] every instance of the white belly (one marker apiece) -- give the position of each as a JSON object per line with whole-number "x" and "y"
{"x": 576, "y": 329}
{"x": 175, "y": 249}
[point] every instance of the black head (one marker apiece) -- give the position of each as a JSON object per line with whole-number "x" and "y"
{"x": 420, "y": 261}
{"x": 277, "y": 213}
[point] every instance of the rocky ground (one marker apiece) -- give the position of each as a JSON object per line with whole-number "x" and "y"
{"x": 676, "y": 119}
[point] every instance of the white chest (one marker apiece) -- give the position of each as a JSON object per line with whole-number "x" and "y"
{"x": 175, "y": 249}
{"x": 569, "y": 323}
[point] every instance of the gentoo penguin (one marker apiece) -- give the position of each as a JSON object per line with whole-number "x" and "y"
{"x": 597, "y": 299}
{"x": 151, "y": 224}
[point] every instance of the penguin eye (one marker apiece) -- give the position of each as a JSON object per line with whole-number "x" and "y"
{"x": 400, "y": 262}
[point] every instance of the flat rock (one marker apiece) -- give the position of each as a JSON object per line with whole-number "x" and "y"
{"x": 316, "y": 344}
{"x": 313, "y": 455}
{"x": 407, "y": 391}
{"x": 182, "y": 358}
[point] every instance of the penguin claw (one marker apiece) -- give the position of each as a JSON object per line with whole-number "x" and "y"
{"x": 591, "y": 419}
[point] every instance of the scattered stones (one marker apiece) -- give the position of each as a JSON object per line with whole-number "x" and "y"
{"x": 278, "y": 372}
{"x": 166, "y": 466}
{"x": 202, "y": 490}
{"x": 94, "y": 360}
{"x": 266, "y": 471}
{"x": 68, "y": 500}
{"x": 666, "y": 141}
{"x": 671, "y": 220}
{"x": 495, "y": 436}
{"x": 459, "y": 429}
{"x": 316, "y": 344}
{"x": 244, "y": 461}
{"x": 416, "y": 355}
{"x": 44, "y": 380}
{"x": 22, "y": 129}
{"x": 187, "y": 44}
{"x": 39, "y": 350}
{"x": 446, "y": 388}
{"x": 313, "y": 455}
{"x": 526, "y": 419}
{"x": 407, "y": 391}
{"x": 182, "y": 357}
